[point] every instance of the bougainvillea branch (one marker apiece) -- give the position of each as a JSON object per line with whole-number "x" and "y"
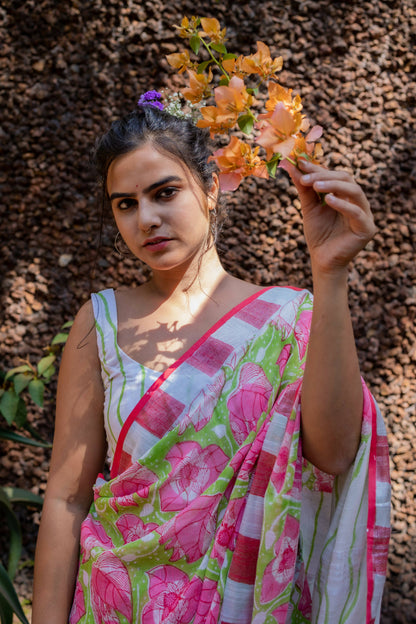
{"x": 229, "y": 90}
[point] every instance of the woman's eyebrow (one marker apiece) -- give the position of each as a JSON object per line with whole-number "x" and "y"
{"x": 148, "y": 189}
{"x": 118, "y": 195}
{"x": 166, "y": 180}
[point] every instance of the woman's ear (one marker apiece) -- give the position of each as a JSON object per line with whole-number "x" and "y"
{"x": 213, "y": 192}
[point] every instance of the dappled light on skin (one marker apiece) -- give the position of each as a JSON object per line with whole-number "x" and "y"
{"x": 157, "y": 354}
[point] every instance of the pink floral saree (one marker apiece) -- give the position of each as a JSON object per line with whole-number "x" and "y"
{"x": 212, "y": 515}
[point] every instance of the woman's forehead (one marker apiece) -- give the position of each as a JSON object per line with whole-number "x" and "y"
{"x": 144, "y": 166}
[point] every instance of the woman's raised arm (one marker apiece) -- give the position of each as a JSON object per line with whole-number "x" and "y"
{"x": 332, "y": 393}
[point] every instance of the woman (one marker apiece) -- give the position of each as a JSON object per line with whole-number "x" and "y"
{"x": 245, "y": 475}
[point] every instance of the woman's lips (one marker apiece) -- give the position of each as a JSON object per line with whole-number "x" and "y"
{"x": 156, "y": 244}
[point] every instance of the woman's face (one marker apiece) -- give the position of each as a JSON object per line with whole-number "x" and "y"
{"x": 159, "y": 208}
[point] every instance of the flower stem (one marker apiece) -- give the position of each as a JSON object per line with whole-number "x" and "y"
{"x": 216, "y": 61}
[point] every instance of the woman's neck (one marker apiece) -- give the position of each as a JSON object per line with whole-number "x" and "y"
{"x": 200, "y": 279}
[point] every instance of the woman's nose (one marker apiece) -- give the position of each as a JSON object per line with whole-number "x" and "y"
{"x": 147, "y": 216}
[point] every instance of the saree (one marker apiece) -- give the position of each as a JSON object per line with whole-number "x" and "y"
{"x": 211, "y": 513}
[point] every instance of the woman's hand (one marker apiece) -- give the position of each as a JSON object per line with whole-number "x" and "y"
{"x": 336, "y": 231}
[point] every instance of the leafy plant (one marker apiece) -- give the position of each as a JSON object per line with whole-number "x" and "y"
{"x": 19, "y": 385}
{"x": 24, "y": 382}
{"x": 9, "y": 601}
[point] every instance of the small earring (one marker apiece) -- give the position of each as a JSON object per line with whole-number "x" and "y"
{"x": 117, "y": 242}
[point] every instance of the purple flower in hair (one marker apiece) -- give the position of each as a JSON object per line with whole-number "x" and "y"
{"x": 151, "y": 98}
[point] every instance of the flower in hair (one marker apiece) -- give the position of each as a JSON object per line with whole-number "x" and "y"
{"x": 236, "y": 92}
{"x": 151, "y": 98}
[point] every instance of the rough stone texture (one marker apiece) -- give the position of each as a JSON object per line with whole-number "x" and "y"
{"x": 69, "y": 68}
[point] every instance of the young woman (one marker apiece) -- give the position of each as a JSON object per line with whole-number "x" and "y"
{"x": 247, "y": 465}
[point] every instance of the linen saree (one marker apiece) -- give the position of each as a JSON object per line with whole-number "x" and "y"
{"x": 212, "y": 515}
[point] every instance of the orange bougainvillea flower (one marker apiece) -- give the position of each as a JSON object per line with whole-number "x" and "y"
{"x": 233, "y": 98}
{"x": 198, "y": 86}
{"x": 179, "y": 60}
{"x": 283, "y": 131}
{"x": 236, "y": 161}
{"x": 279, "y": 130}
{"x": 187, "y": 28}
{"x": 307, "y": 146}
{"x": 277, "y": 135}
{"x": 217, "y": 120}
{"x": 211, "y": 28}
{"x": 233, "y": 66}
{"x": 277, "y": 94}
{"x": 261, "y": 62}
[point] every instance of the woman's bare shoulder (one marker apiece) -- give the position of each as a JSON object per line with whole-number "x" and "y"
{"x": 82, "y": 338}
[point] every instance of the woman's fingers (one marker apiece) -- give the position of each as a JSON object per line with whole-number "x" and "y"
{"x": 361, "y": 221}
{"x": 340, "y": 183}
{"x": 342, "y": 189}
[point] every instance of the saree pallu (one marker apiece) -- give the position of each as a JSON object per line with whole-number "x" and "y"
{"x": 212, "y": 515}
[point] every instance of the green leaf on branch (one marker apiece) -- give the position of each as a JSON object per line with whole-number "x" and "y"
{"x": 224, "y": 81}
{"x": 219, "y": 47}
{"x": 21, "y": 413}
{"x": 228, "y": 56}
{"x": 202, "y": 67}
{"x": 59, "y": 339}
{"x": 246, "y": 123}
{"x": 67, "y": 325}
{"x": 272, "y": 164}
{"x": 25, "y": 368}
{"x": 21, "y": 381}
{"x": 253, "y": 91}
{"x": 45, "y": 362}
{"x": 49, "y": 372}
{"x": 36, "y": 391}
{"x": 195, "y": 43}
{"x": 8, "y": 405}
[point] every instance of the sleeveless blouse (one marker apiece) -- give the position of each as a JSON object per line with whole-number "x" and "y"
{"x": 125, "y": 380}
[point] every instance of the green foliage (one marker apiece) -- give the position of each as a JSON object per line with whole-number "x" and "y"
{"x": 218, "y": 47}
{"x": 19, "y": 385}
{"x": 272, "y": 164}
{"x": 27, "y": 382}
{"x": 246, "y": 123}
{"x": 9, "y": 601}
{"x": 195, "y": 43}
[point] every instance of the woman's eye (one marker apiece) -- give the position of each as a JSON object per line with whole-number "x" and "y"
{"x": 167, "y": 193}
{"x": 126, "y": 203}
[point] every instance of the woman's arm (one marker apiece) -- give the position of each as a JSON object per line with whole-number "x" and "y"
{"x": 331, "y": 391}
{"x": 77, "y": 457}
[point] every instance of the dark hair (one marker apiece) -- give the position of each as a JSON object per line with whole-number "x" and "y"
{"x": 178, "y": 137}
